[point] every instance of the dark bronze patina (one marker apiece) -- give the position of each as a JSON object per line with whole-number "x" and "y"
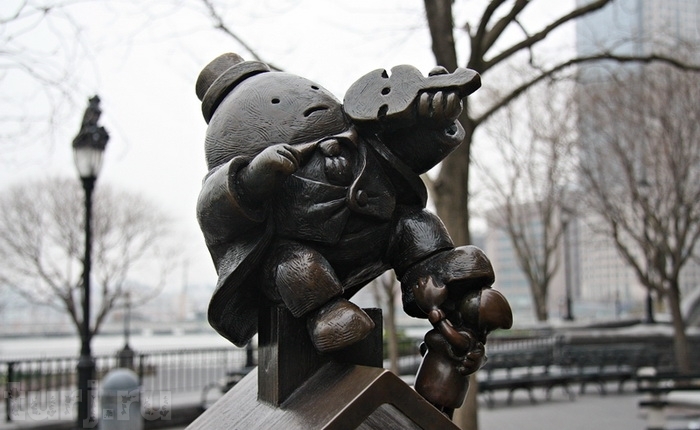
{"x": 308, "y": 199}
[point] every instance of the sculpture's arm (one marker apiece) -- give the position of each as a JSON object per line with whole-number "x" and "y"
{"x": 421, "y": 147}
{"x": 258, "y": 181}
{"x": 221, "y": 211}
{"x": 235, "y": 195}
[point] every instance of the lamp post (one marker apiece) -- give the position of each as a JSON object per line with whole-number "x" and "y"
{"x": 566, "y": 216}
{"x": 88, "y": 149}
{"x": 126, "y": 354}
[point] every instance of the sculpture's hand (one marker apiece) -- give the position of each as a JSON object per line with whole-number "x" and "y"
{"x": 474, "y": 359}
{"x": 258, "y": 180}
{"x": 439, "y": 108}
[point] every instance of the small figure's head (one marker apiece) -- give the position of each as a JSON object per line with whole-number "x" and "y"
{"x": 485, "y": 310}
{"x": 248, "y": 108}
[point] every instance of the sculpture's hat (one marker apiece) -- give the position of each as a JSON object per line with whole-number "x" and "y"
{"x": 249, "y": 107}
{"x": 217, "y": 79}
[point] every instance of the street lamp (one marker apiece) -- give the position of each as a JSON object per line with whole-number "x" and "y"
{"x": 88, "y": 148}
{"x": 126, "y": 354}
{"x": 566, "y": 216}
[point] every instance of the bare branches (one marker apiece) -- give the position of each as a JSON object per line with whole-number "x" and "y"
{"x": 43, "y": 244}
{"x": 484, "y": 22}
{"x": 552, "y": 71}
{"x": 488, "y": 38}
{"x": 220, "y": 24}
{"x": 42, "y": 54}
{"x": 528, "y": 182}
{"x": 529, "y": 41}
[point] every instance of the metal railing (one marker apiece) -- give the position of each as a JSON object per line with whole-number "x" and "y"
{"x": 195, "y": 370}
{"x": 173, "y": 371}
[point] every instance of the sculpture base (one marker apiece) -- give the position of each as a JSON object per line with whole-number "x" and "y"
{"x": 338, "y": 396}
{"x": 287, "y": 358}
{"x": 295, "y": 387}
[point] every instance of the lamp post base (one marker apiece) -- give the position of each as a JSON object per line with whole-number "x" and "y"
{"x": 87, "y": 387}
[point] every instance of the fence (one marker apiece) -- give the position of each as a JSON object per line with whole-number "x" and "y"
{"x": 173, "y": 371}
{"x": 193, "y": 370}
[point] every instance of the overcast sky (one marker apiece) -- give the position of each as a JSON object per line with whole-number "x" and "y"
{"x": 147, "y": 58}
{"x": 146, "y": 78}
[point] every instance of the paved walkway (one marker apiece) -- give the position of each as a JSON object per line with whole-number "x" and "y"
{"x": 589, "y": 411}
{"x": 586, "y": 412}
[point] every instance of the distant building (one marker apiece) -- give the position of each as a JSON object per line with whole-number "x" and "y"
{"x": 637, "y": 27}
{"x": 510, "y": 279}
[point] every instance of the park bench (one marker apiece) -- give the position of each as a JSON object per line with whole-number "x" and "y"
{"x": 561, "y": 366}
{"x": 665, "y": 390}
{"x": 521, "y": 370}
{"x": 600, "y": 365}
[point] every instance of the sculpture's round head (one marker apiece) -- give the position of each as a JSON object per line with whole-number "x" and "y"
{"x": 248, "y": 108}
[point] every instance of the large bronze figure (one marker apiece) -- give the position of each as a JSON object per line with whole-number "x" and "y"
{"x": 307, "y": 200}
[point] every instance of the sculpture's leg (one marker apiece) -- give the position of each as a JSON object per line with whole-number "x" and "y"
{"x": 338, "y": 324}
{"x": 305, "y": 282}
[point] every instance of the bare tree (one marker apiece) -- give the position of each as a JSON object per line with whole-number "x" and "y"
{"x": 643, "y": 175}
{"x": 529, "y": 180}
{"x": 49, "y": 59}
{"x": 41, "y": 246}
{"x": 43, "y": 76}
{"x": 490, "y": 47}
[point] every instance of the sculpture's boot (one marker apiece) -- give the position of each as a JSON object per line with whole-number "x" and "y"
{"x": 338, "y": 324}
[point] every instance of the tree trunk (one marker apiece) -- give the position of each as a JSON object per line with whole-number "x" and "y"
{"x": 441, "y": 25}
{"x": 540, "y": 303}
{"x": 451, "y": 194}
{"x": 451, "y": 188}
{"x": 680, "y": 340}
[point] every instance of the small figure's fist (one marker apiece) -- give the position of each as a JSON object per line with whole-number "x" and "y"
{"x": 440, "y": 107}
{"x": 473, "y": 359}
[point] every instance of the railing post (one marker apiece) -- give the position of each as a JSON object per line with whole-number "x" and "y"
{"x": 9, "y": 393}
{"x": 141, "y": 370}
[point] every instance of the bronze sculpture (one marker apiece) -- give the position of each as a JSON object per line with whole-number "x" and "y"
{"x": 307, "y": 200}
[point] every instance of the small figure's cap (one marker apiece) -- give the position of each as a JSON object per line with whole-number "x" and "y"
{"x": 217, "y": 79}
{"x": 494, "y": 311}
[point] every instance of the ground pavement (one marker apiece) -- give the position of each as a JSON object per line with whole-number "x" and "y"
{"x": 589, "y": 411}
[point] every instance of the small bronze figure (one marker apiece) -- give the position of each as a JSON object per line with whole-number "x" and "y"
{"x": 307, "y": 200}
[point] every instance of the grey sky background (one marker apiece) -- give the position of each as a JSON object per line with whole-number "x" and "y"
{"x": 146, "y": 57}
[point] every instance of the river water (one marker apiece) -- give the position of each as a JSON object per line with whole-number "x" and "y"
{"x": 67, "y": 346}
